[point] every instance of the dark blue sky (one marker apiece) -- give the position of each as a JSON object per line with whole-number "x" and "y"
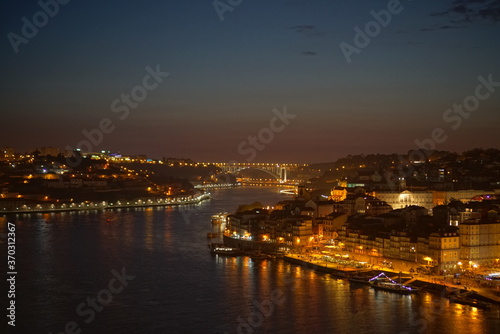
{"x": 227, "y": 76}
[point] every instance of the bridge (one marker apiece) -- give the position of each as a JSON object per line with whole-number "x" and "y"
{"x": 278, "y": 171}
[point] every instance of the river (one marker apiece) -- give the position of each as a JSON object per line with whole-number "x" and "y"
{"x": 149, "y": 270}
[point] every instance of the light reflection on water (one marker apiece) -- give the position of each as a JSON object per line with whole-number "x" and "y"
{"x": 181, "y": 288}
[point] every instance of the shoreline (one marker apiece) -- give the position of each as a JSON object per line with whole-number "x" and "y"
{"x": 428, "y": 283}
{"x": 105, "y": 205}
{"x": 433, "y": 282}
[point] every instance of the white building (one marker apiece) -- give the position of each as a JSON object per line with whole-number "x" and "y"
{"x": 400, "y": 200}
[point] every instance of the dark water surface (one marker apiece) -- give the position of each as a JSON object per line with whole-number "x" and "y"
{"x": 179, "y": 287}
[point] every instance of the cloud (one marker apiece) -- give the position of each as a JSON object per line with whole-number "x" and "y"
{"x": 309, "y": 53}
{"x": 440, "y": 13}
{"x": 491, "y": 12}
{"x": 467, "y": 11}
{"x": 441, "y": 27}
{"x": 307, "y": 30}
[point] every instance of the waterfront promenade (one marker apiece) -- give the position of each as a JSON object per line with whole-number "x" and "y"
{"x": 103, "y": 205}
{"x": 315, "y": 262}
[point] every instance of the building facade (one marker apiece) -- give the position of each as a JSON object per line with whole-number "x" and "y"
{"x": 479, "y": 242}
{"x": 399, "y": 200}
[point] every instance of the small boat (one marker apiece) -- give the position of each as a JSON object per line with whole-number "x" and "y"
{"x": 464, "y": 300}
{"x": 221, "y": 249}
{"x": 257, "y": 255}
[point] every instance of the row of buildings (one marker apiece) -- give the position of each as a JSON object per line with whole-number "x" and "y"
{"x": 448, "y": 237}
{"x": 425, "y": 198}
{"x": 476, "y": 242}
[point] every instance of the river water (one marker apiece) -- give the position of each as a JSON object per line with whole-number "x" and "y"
{"x": 168, "y": 282}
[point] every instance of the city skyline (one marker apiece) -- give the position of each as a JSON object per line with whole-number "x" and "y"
{"x": 209, "y": 77}
{"x": 411, "y": 156}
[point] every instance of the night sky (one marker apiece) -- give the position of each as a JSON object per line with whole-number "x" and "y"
{"x": 227, "y": 76}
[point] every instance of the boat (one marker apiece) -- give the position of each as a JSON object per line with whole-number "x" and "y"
{"x": 394, "y": 287}
{"x": 465, "y": 300}
{"x": 219, "y": 218}
{"x": 258, "y": 255}
{"x": 278, "y": 254}
{"x": 221, "y": 249}
{"x": 212, "y": 235}
{"x": 383, "y": 282}
{"x": 359, "y": 279}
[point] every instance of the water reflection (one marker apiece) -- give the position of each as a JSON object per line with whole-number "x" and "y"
{"x": 181, "y": 288}
{"x": 149, "y": 234}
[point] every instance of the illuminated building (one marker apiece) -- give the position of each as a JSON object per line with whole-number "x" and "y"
{"x": 7, "y": 154}
{"x": 480, "y": 241}
{"x": 399, "y": 200}
{"x": 444, "y": 248}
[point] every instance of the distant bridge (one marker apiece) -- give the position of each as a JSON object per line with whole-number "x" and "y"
{"x": 278, "y": 171}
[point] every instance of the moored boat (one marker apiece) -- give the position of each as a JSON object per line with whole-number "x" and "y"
{"x": 219, "y": 218}
{"x": 220, "y": 249}
{"x": 383, "y": 282}
{"x": 278, "y": 254}
{"x": 465, "y": 300}
{"x": 394, "y": 287}
{"x": 258, "y": 255}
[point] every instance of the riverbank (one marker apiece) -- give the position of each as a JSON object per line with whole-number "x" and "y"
{"x": 434, "y": 283}
{"x": 103, "y": 205}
